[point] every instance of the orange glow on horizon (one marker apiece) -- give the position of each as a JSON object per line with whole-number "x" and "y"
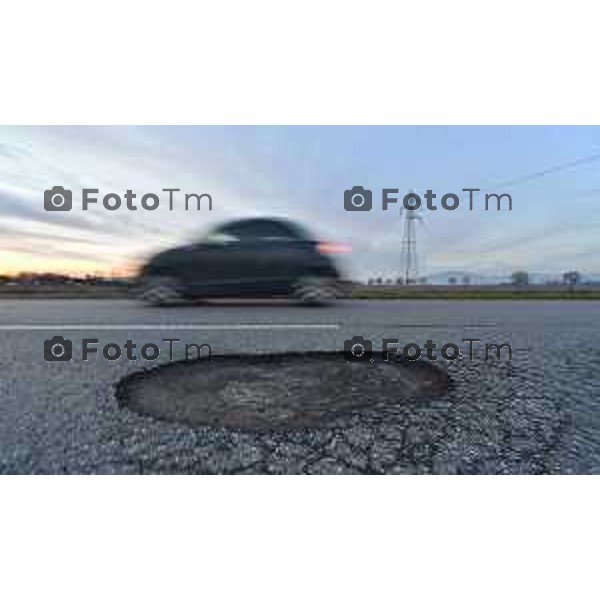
{"x": 13, "y": 263}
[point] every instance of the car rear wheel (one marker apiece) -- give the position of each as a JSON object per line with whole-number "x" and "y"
{"x": 160, "y": 291}
{"x": 315, "y": 291}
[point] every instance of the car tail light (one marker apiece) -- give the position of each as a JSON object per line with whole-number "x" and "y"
{"x": 333, "y": 248}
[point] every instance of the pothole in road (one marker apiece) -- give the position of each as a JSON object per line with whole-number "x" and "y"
{"x": 276, "y": 391}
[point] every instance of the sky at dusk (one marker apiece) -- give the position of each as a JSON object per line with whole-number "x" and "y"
{"x": 301, "y": 173}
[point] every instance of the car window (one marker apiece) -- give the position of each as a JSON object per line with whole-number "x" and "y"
{"x": 219, "y": 237}
{"x": 252, "y": 230}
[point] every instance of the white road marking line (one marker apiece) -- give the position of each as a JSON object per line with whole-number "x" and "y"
{"x": 174, "y": 326}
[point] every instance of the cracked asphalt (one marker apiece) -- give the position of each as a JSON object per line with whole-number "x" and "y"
{"x": 539, "y": 413}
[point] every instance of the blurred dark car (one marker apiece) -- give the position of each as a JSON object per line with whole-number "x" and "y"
{"x": 246, "y": 258}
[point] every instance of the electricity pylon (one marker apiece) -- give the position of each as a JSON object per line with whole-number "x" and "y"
{"x": 409, "y": 258}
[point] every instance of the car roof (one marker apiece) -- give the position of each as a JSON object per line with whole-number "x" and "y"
{"x": 288, "y": 223}
{"x": 255, "y": 221}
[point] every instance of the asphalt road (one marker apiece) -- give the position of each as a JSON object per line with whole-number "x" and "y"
{"x": 539, "y": 413}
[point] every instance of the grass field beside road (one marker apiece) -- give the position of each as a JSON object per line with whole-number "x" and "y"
{"x": 423, "y": 293}
{"x": 353, "y": 291}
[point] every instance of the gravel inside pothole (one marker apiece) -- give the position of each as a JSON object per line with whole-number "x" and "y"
{"x": 277, "y": 391}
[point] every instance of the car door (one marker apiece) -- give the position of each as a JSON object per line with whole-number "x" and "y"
{"x": 269, "y": 249}
{"x": 211, "y": 266}
{"x": 247, "y": 268}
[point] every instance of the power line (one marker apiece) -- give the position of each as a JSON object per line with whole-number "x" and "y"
{"x": 550, "y": 170}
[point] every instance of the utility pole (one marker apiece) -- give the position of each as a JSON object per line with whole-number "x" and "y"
{"x": 408, "y": 259}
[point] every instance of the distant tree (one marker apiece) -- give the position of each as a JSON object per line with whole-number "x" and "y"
{"x": 399, "y": 281}
{"x": 520, "y": 278}
{"x": 422, "y": 280}
{"x": 388, "y": 282}
{"x": 452, "y": 280}
{"x": 371, "y": 281}
{"x": 571, "y": 278}
{"x": 379, "y": 281}
{"x": 466, "y": 280}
